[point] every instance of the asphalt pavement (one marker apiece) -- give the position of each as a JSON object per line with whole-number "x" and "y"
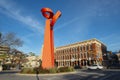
{"x": 108, "y": 74}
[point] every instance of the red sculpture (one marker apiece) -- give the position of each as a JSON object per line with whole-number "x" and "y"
{"x": 48, "y": 47}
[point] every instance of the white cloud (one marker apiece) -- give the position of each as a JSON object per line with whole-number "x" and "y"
{"x": 112, "y": 41}
{"x": 67, "y": 23}
{"x": 12, "y": 10}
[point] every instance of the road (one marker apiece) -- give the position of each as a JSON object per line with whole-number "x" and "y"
{"x": 113, "y": 74}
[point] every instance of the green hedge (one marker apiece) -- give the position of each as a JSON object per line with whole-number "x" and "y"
{"x": 53, "y": 70}
{"x": 66, "y": 69}
{"x": 28, "y": 71}
{"x": 40, "y": 70}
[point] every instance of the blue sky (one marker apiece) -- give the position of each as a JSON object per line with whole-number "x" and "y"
{"x": 80, "y": 20}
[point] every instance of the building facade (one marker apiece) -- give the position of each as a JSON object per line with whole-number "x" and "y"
{"x": 118, "y": 55}
{"x": 81, "y": 53}
{"x": 4, "y": 50}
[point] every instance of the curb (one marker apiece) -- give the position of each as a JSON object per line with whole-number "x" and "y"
{"x": 46, "y": 74}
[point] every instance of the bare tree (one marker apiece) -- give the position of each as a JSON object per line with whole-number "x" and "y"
{"x": 0, "y": 37}
{"x": 31, "y": 54}
{"x": 10, "y": 40}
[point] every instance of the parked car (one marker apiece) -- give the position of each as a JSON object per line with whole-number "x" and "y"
{"x": 77, "y": 67}
{"x": 114, "y": 66}
{"x": 95, "y": 66}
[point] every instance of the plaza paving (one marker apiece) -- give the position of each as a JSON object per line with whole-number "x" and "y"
{"x": 77, "y": 75}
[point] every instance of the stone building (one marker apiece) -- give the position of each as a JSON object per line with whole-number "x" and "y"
{"x": 83, "y": 53}
{"x": 4, "y": 50}
{"x": 118, "y": 55}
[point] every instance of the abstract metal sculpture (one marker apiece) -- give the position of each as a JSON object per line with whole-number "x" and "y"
{"x": 48, "y": 47}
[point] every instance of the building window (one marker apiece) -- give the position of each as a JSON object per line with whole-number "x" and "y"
{"x": 84, "y": 55}
{"x": 87, "y": 47}
{"x": 84, "y": 48}
{"x": 74, "y": 50}
{"x": 81, "y": 56}
{"x": 87, "y": 55}
{"x": 81, "y": 48}
{"x": 76, "y": 56}
{"x": 91, "y": 47}
{"x": 70, "y": 49}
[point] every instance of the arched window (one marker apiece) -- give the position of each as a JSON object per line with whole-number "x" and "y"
{"x": 77, "y": 56}
{"x": 69, "y": 49}
{"x": 68, "y": 57}
{"x": 84, "y": 48}
{"x": 87, "y": 55}
{"x": 72, "y": 50}
{"x": 91, "y": 47}
{"x": 76, "y": 49}
{"x": 81, "y": 48}
{"x": 61, "y": 57}
{"x": 87, "y": 47}
{"x": 81, "y": 55}
{"x": 84, "y": 55}
{"x": 65, "y": 56}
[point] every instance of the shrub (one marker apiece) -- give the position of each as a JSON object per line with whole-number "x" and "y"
{"x": 70, "y": 69}
{"x": 41, "y": 70}
{"x": 66, "y": 69}
{"x": 53, "y": 70}
{"x": 28, "y": 70}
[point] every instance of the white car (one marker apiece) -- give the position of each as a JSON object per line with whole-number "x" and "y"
{"x": 95, "y": 66}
